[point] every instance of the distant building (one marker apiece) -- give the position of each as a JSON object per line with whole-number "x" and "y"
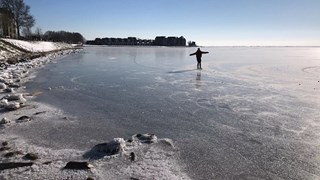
{"x": 133, "y": 41}
{"x": 192, "y": 44}
{"x": 7, "y": 25}
{"x": 170, "y": 41}
{"x": 160, "y": 41}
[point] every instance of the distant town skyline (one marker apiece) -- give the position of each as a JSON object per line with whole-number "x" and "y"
{"x": 208, "y": 22}
{"x": 134, "y": 41}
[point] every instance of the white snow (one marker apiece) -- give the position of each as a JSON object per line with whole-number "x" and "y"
{"x": 154, "y": 161}
{"x": 8, "y": 51}
{"x": 18, "y": 47}
{"x": 38, "y": 46}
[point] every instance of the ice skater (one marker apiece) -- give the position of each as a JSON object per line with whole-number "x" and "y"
{"x": 198, "y": 54}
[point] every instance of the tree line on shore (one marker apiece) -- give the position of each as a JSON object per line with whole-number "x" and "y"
{"x": 63, "y": 36}
{"x": 16, "y": 21}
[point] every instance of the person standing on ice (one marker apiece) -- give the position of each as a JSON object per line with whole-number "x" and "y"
{"x": 198, "y": 54}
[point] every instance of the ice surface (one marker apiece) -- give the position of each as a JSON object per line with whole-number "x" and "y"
{"x": 153, "y": 158}
{"x": 251, "y": 113}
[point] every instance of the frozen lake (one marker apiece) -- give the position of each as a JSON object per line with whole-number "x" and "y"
{"x": 252, "y": 112}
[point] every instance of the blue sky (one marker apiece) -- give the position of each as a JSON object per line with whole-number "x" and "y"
{"x": 208, "y": 22}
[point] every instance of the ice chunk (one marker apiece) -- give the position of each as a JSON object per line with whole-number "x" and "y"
{"x": 3, "y": 103}
{"x": 115, "y": 146}
{"x": 145, "y": 138}
{"x": 16, "y": 97}
{"x": 12, "y": 106}
{"x": 3, "y": 86}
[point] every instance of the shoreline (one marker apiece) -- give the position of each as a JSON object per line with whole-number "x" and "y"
{"x": 49, "y": 163}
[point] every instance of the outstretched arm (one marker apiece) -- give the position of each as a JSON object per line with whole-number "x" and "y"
{"x": 204, "y": 52}
{"x": 192, "y": 54}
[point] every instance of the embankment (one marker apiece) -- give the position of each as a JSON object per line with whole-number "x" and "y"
{"x": 13, "y": 51}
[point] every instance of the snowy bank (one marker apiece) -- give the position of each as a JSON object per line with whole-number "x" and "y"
{"x": 38, "y": 46}
{"x": 11, "y": 48}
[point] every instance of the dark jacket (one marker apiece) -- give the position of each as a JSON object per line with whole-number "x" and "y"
{"x": 198, "y": 54}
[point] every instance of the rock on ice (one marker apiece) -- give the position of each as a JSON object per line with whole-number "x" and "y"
{"x": 115, "y": 146}
{"x": 5, "y": 121}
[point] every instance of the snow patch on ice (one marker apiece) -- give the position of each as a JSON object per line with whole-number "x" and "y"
{"x": 152, "y": 161}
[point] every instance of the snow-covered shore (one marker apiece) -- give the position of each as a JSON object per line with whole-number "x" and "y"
{"x": 142, "y": 156}
{"x": 38, "y": 46}
{"x": 18, "y": 49}
{"x": 15, "y": 66}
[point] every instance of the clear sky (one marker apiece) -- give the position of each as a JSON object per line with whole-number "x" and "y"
{"x": 208, "y": 22}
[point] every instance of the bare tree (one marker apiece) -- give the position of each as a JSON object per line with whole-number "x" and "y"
{"x": 27, "y": 25}
{"x": 28, "y": 22}
{"x": 38, "y": 33}
{"x": 26, "y": 32}
{"x": 21, "y": 13}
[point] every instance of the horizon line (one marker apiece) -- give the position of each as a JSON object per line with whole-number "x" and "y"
{"x": 204, "y": 46}
{"x": 257, "y": 46}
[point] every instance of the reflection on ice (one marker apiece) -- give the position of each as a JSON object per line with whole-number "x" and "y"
{"x": 182, "y": 71}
